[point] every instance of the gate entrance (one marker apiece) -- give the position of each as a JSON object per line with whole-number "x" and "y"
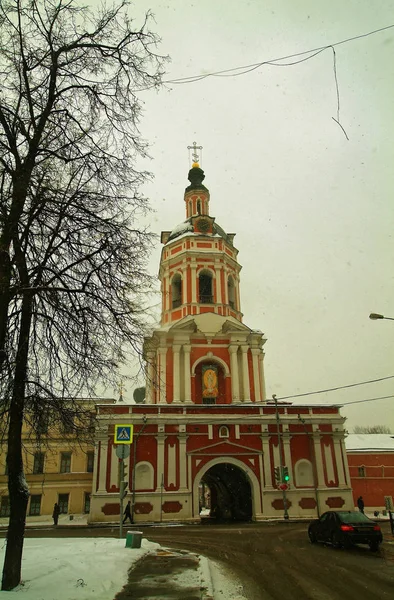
{"x": 230, "y": 494}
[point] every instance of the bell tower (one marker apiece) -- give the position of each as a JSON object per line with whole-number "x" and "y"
{"x": 202, "y": 352}
{"x": 199, "y": 270}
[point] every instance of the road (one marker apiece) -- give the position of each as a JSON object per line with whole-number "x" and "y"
{"x": 275, "y": 560}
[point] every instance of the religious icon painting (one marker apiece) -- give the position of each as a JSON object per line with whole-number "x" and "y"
{"x": 210, "y": 381}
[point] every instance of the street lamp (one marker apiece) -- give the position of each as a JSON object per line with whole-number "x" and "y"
{"x": 376, "y": 316}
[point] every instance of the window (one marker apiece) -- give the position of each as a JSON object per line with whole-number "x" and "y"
{"x": 176, "y": 291}
{"x": 231, "y": 292}
{"x": 144, "y": 476}
{"x": 86, "y": 503}
{"x": 42, "y": 424}
{"x": 68, "y": 422}
{"x": 361, "y": 471}
{"x": 38, "y": 466}
{"x": 224, "y": 432}
{"x": 205, "y": 287}
{"x": 35, "y": 505}
{"x": 303, "y": 472}
{"x": 199, "y": 207}
{"x": 89, "y": 462}
{"x": 65, "y": 462}
{"x": 63, "y": 503}
{"x": 5, "y": 506}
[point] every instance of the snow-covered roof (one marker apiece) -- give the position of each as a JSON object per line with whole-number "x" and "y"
{"x": 187, "y": 228}
{"x": 378, "y": 442}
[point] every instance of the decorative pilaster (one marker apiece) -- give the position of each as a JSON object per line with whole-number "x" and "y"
{"x": 176, "y": 349}
{"x": 187, "y": 377}
{"x": 265, "y": 440}
{"x": 256, "y": 374}
{"x": 182, "y": 460}
{"x": 194, "y": 282}
{"x": 234, "y": 372}
{"x": 162, "y": 375}
{"x": 218, "y": 285}
{"x": 318, "y": 460}
{"x": 103, "y": 450}
{"x": 245, "y": 374}
{"x": 150, "y": 378}
{"x": 262, "y": 379}
{"x": 347, "y": 472}
{"x": 287, "y": 454}
{"x": 160, "y": 457}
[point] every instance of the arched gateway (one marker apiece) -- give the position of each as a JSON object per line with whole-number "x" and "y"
{"x": 206, "y": 418}
{"x": 234, "y": 490}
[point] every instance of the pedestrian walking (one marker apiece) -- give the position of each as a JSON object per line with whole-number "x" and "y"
{"x": 56, "y": 513}
{"x": 127, "y": 513}
{"x": 360, "y": 504}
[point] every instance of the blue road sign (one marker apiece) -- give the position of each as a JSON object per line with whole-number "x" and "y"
{"x": 123, "y": 434}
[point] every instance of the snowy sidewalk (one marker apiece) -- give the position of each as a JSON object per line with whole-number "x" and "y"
{"x": 104, "y": 569}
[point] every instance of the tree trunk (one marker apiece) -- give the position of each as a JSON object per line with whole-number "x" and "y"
{"x": 17, "y": 486}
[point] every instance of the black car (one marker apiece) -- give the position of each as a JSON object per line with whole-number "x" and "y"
{"x": 345, "y": 528}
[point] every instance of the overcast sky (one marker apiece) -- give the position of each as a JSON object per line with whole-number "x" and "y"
{"x": 313, "y": 211}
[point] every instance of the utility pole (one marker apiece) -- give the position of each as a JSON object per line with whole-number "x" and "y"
{"x": 280, "y": 447}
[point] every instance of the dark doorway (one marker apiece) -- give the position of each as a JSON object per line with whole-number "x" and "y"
{"x": 230, "y": 493}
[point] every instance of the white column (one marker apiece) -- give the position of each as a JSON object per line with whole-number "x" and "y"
{"x": 182, "y": 461}
{"x": 262, "y": 379}
{"x": 102, "y": 483}
{"x": 225, "y": 286}
{"x": 347, "y": 472}
{"x": 234, "y": 372}
{"x": 176, "y": 349}
{"x": 287, "y": 455}
{"x": 150, "y": 377}
{"x": 256, "y": 374}
{"x": 218, "y": 285}
{"x": 160, "y": 458}
{"x": 318, "y": 460}
{"x": 339, "y": 460}
{"x": 162, "y": 375}
{"x": 267, "y": 461}
{"x": 187, "y": 367}
{"x": 245, "y": 374}
{"x": 194, "y": 282}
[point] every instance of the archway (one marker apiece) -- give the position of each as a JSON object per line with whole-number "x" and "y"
{"x": 231, "y": 492}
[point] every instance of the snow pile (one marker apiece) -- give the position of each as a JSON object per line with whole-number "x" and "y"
{"x": 75, "y": 568}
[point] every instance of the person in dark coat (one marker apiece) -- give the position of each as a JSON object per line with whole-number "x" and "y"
{"x": 360, "y": 504}
{"x": 56, "y": 513}
{"x": 127, "y": 513}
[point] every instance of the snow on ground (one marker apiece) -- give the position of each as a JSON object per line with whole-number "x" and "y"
{"x": 74, "y": 568}
{"x": 97, "y": 568}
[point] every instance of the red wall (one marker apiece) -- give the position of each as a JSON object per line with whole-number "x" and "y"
{"x": 379, "y": 476}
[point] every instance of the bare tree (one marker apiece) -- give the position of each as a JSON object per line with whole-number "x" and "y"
{"x": 72, "y": 259}
{"x": 372, "y": 429}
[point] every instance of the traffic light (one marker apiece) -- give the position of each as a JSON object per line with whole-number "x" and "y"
{"x": 123, "y": 489}
{"x": 277, "y": 474}
{"x": 285, "y": 474}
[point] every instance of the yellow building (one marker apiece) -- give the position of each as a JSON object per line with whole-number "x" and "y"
{"x": 58, "y": 469}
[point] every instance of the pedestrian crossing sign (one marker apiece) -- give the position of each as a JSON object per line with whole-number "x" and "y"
{"x": 123, "y": 434}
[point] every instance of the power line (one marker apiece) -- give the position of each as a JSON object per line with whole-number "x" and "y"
{"x": 334, "y": 389}
{"x": 244, "y": 69}
{"x": 367, "y": 400}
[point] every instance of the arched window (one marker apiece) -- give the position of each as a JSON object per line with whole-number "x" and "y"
{"x": 205, "y": 287}
{"x": 231, "y": 291}
{"x": 144, "y": 476}
{"x": 176, "y": 290}
{"x": 224, "y": 432}
{"x": 199, "y": 207}
{"x": 303, "y": 473}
